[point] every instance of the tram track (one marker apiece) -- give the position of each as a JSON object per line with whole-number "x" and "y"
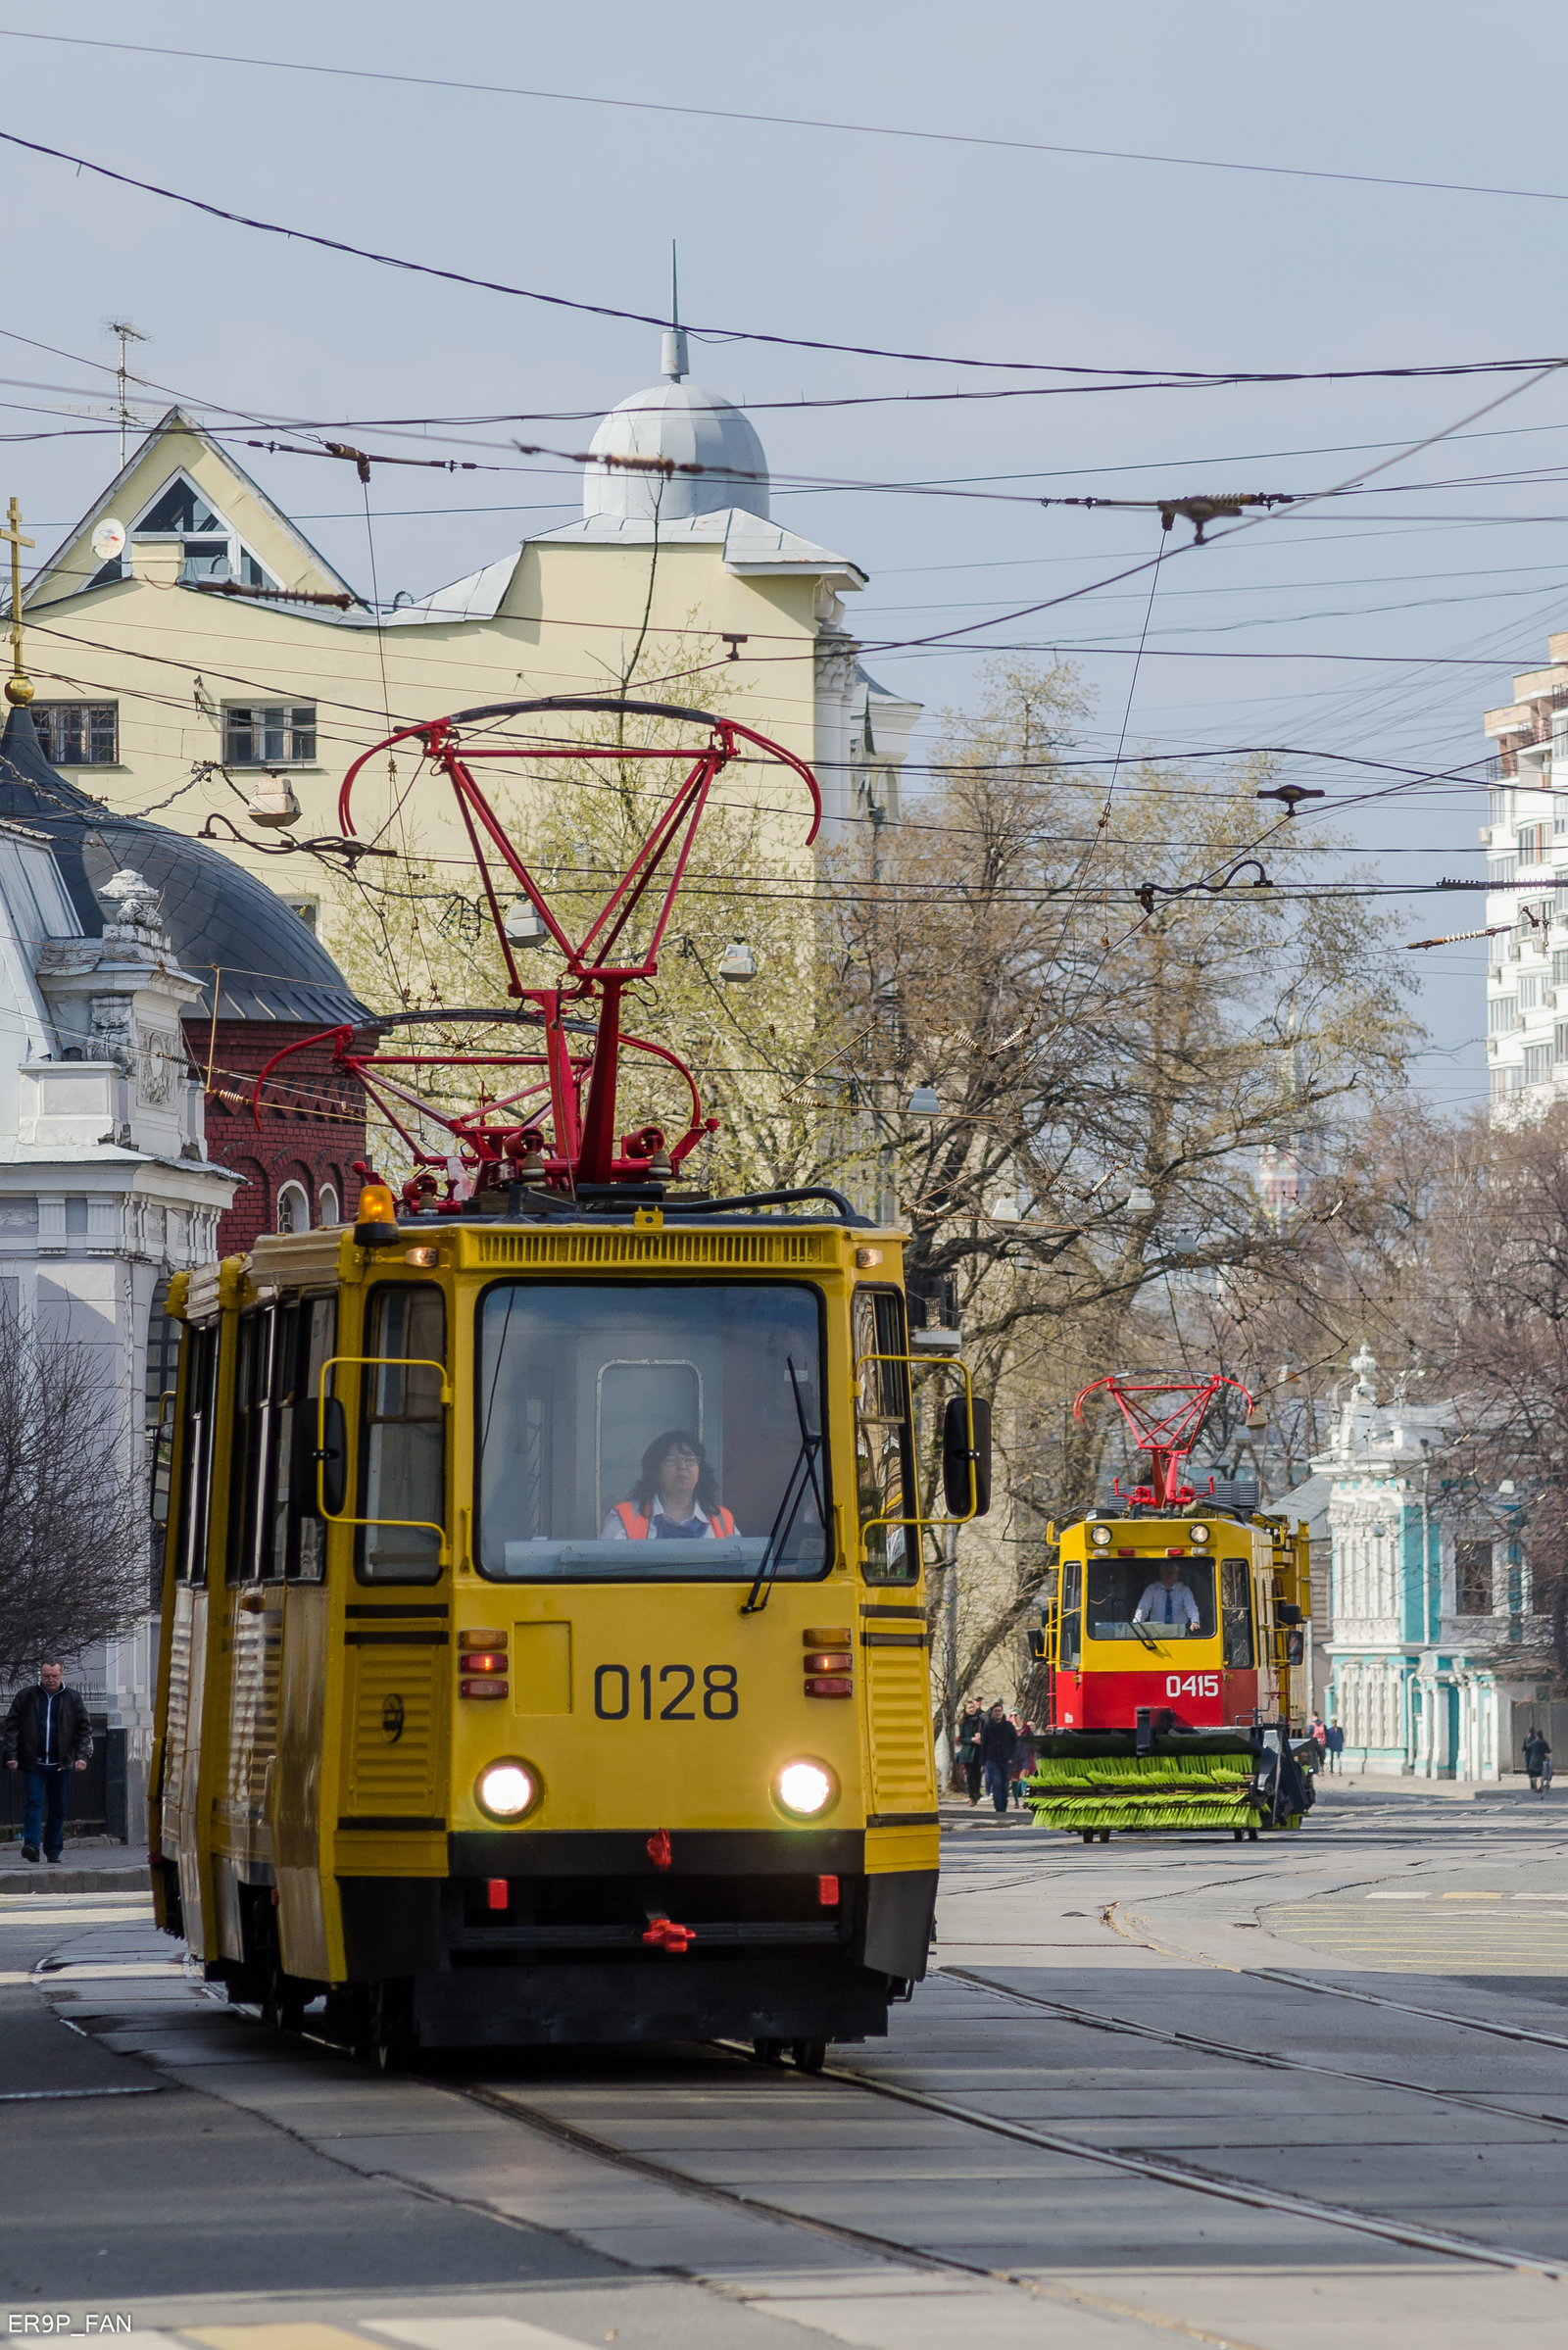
{"x": 1160, "y": 2170}
{"x": 1288, "y": 1981}
{"x": 1129, "y": 2162}
{"x": 1264, "y": 2058}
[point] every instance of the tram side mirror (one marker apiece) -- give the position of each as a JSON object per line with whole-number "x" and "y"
{"x": 333, "y": 1458}
{"x": 966, "y": 1474}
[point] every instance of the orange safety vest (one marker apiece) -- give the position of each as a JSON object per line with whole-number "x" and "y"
{"x": 721, "y": 1520}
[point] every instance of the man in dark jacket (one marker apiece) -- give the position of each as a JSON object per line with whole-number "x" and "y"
{"x": 970, "y": 1724}
{"x": 47, "y": 1736}
{"x": 1538, "y": 1762}
{"x": 998, "y": 1741}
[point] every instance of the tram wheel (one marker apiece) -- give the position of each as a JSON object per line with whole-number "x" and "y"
{"x": 770, "y": 2052}
{"x": 810, "y": 2055}
{"x": 392, "y": 2041}
{"x": 284, "y": 2003}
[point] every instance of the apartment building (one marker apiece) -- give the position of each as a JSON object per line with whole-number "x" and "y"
{"x": 1525, "y": 837}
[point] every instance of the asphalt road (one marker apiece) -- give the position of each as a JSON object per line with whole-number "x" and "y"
{"x": 1291, "y": 2095}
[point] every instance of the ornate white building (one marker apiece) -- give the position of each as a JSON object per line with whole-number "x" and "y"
{"x": 106, "y": 1186}
{"x": 1435, "y": 1659}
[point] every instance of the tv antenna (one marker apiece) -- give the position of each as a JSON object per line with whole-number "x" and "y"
{"x": 126, "y": 333}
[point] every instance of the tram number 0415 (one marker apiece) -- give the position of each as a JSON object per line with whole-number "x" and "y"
{"x": 1192, "y": 1685}
{"x": 666, "y": 1692}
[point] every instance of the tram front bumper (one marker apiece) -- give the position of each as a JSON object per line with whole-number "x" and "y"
{"x": 551, "y": 1936}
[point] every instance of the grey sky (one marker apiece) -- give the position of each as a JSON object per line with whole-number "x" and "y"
{"x": 917, "y": 246}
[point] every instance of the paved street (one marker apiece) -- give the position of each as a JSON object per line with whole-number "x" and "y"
{"x": 1308, "y": 2091}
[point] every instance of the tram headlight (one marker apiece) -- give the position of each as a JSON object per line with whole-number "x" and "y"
{"x": 1198, "y": 1534}
{"x": 805, "y": 1789}
{"x": 508, "y": 1790}
{"x": 1101, "y": 1534}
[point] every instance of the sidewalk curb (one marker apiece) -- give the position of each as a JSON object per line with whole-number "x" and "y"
{"x": 14, "y": 1887}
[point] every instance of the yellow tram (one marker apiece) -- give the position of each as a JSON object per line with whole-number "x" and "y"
{"x": 461, "y": 1725}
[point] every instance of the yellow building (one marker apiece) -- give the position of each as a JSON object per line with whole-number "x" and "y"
{"x": 187, "y": 628}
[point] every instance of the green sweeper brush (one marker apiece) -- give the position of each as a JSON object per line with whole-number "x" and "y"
{"x": 1087, "y": 1784}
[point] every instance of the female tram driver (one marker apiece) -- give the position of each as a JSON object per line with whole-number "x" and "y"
{"x": 676, "y": 1499}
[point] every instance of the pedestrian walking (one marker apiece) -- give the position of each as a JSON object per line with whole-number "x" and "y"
{"x": 1334, "y": 1741}
{"x": 1538, "y": 1762}
{"x": 47, "y": 1736}
{"x": 1022, "y": 1761}
{"x": 998, "y": 1743}
{"x": 970, "y": 1723}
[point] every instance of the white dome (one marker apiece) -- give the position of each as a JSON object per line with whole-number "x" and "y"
{"x": 689, "y": 426}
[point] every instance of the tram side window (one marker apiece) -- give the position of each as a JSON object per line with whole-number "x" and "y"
{"x": 274, "y": 1530}
{"x": 248, "y": 1458}
{"x": 403, "y": 1438}
{"x": 1073, "y": 1600}
{"x": 196, "y": 1461}
{"x": 317, "y": 1337}
{"x": 296, "y": 1535}
{"x": 884, "y": 1450}
{"x": 1235, "y": 1612}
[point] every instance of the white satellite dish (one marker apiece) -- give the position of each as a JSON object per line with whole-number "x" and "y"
{"x": 108, "y": 539}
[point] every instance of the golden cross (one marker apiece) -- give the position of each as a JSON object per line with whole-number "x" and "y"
{"x": 17, "y": 689}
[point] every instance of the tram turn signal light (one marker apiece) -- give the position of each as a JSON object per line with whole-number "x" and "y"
{"x": 485, "y": 1660}
{"x": 481, "y": 1640}
{"x": 828, "y": 1660}
{"x": 830, "y": 1685}
{"x": 482, "y": 1689}
{"x": 838, "y": 1637}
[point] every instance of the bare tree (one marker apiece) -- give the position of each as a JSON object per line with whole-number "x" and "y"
{"x": 1116, "y": 997}
{"x": 73, "y": 1554}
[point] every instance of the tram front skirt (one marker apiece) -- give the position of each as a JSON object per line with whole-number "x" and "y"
{"x": 1090, "y": 1782}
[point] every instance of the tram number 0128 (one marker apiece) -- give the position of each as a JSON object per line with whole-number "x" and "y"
{"x": 666, "y": 1692}
{"x": 1192, "y": 1685}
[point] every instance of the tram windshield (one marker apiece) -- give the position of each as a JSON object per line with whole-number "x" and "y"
{"x": 1121, "y": 1589}
{"x": 633, "y": 1433}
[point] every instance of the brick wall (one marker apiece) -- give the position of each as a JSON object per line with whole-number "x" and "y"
{"x": 312, "y": 1125}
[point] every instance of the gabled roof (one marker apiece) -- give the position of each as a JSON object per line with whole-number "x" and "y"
{"x": 177, "y": 444}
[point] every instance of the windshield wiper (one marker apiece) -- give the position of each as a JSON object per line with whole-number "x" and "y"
{"x": 803, "y": 1479}
{"x": 1146, "y": 1637}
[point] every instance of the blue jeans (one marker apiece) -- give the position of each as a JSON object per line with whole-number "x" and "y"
{"x": 45, "y": 1793}
{"x": 998, "y": 1778}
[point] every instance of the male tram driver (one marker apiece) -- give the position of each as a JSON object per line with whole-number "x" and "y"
{"x": 1168, "y": 1602}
